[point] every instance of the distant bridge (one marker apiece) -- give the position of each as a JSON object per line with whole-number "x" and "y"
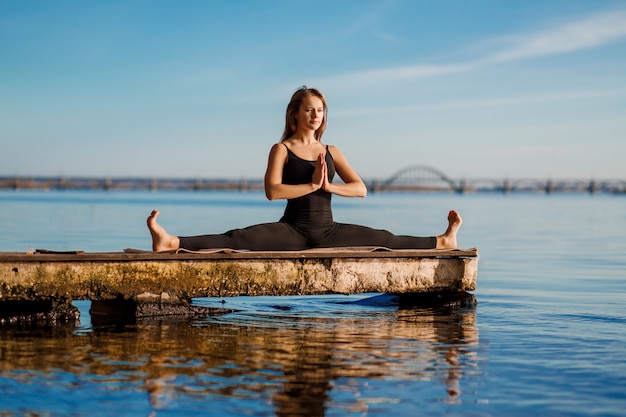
{"x": 418, "y": 178}
{"x": 415, "y": 178}
{"x": 424, "y": 178}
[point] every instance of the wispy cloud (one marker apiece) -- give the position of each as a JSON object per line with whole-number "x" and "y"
{"x": 367, "y": 22}
{"x": 590, "y": 33}
{"x": 595, "y": 31}
{"x": 495, "y": 102}
{"x": 403, "y": 73}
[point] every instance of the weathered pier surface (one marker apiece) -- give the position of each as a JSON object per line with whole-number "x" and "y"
{"x": 148, "y": 284}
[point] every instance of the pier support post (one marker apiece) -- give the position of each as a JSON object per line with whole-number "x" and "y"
{"x": 46, "y": 310}
{"x": 148, "y": 305}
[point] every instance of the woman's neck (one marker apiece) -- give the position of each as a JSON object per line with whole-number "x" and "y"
{"x": 304, "y": 136}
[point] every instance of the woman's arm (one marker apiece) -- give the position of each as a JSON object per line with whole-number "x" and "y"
{"x": 274, "y": 187}
{"x": 353, "y": 184}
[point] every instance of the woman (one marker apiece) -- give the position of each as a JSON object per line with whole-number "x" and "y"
{"x": 301, "y": 169}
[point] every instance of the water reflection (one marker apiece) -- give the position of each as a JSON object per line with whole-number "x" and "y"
{"x": 286, "y": 359}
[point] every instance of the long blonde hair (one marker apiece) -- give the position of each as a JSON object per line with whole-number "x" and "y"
{"x": 294, "y": 106}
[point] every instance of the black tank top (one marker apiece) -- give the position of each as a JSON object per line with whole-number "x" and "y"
{"x": 311, "y": 213}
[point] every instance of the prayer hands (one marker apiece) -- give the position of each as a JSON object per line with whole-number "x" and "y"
{"x": 320, "y": 175}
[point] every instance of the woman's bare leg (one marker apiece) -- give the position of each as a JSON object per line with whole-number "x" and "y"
{"x": 448, "y": 239}
{"x": 161, "y": 240}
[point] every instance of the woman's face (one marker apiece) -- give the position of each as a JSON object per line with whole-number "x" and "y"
{"x": 311, "y": 113}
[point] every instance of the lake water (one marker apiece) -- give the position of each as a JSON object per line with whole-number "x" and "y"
{"x": 547, "y": 337}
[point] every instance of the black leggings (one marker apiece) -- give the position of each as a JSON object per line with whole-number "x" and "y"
{"x": 284, "y": 236}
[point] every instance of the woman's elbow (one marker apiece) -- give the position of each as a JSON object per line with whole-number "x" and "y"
{"x": 362, "y": 190}
{"x": 270, "y": 195}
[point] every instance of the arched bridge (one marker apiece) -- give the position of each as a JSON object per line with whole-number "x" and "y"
{"x": 418, "y": 178}
{"x": 425, "y": 178}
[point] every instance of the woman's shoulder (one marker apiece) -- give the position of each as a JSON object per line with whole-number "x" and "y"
{"x": 279, "y": 151}
{"x": 334, "y": 150}
{"x": 280, "y": 147}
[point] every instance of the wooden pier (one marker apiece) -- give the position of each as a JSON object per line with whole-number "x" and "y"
{"x": 147, "y": 283}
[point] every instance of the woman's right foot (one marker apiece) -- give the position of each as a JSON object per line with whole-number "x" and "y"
{"x": 161, "y": 240}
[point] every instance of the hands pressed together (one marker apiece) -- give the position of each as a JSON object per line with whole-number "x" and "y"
{"x": 320, "y": 175}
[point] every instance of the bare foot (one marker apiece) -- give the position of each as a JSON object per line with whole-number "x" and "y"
{"x": 448, "y": 239}
{"x": 161, "y": 240}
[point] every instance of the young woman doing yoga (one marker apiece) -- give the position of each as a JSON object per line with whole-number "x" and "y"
{"x": 301, "y": 170}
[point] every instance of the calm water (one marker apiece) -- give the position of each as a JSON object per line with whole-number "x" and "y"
{"x": 547, "y": 337}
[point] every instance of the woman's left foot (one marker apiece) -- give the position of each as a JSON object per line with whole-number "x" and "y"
{"x": 448, "y": 239}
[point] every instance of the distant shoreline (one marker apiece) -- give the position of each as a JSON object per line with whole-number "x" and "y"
{"x": 255, "y": 184}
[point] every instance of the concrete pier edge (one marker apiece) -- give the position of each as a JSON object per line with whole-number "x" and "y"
{"x": 152, "y": 284}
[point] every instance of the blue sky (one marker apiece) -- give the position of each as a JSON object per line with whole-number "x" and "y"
{"x": 476, "y": 89}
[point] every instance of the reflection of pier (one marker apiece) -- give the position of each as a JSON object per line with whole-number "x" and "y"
{"x": 410, "y": 179}
{"x": 292, "y": 364}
